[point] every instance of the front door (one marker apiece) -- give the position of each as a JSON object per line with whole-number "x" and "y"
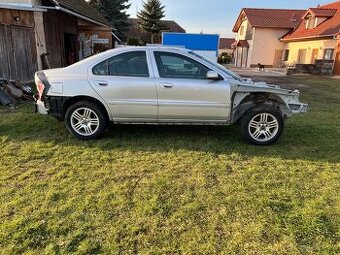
{"x": 278, "y": 58}
{"x": 184, "y": 92}
{"x": 124, "y": 82}
{"x": 302, "y": 56}
{"x": 337, "y": 61}
{"x": 315, "y": 54}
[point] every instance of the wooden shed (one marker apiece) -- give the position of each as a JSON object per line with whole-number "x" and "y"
{"x": 18, "y": 54}
{"x": 64, "y": 30}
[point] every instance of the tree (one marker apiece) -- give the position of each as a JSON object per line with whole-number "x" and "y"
{"x": 114, "y": 11}
{"x": 149, "y": 19}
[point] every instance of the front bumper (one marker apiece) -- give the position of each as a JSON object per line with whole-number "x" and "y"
{"x": 299, "y": 108}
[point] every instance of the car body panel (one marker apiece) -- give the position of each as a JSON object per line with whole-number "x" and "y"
{"x": 162, "y": 100}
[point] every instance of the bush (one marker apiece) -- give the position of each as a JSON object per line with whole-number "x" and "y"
{"x": 132, "y": 41}
{"x": 224, "y": 58}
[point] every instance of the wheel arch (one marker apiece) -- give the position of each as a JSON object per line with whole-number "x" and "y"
{"x": 243, "y": 101}
{"x": 76, "y": 99}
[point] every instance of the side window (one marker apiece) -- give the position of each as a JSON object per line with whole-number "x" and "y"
{"x": 132, "y": 64}
{"x": 172, "y": 65}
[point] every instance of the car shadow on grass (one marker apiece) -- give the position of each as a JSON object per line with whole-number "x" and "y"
{"x": 300, "y": 140}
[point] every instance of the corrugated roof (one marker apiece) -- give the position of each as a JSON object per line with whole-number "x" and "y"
{"x": 83, "y": 8}
{"x": 329, "y": 27}
{"x": 270, "y": 18}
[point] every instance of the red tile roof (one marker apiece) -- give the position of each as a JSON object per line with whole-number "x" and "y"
{"x": 225, "y": 43}
{"x": 270, "y": 18}
{"x": 321, "y": 12}
{"x": 242, "y": 43}
{"x": 328, "y": 28}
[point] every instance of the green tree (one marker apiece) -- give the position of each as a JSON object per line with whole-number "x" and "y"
{"x": 114, "y": 11}
{"x": 149, "y": 18}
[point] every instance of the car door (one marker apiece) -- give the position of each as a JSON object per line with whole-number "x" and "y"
{"x": 124, "y": 82}
{"x": 184, "y": 92}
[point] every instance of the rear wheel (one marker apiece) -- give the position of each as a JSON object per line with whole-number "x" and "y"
{"x": 85, "y": 120}
{"x": 262, "y": 125}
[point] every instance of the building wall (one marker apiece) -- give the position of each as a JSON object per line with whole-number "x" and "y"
{"x": 321, "y": 45}
{"x": 247, "y": 31}
{"x": 265, "y": 42}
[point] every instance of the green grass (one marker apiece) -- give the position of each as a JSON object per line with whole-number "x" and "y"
{"x": 172, "y": 190}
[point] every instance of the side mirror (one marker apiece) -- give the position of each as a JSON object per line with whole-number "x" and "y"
{"x": 212, "y": 75}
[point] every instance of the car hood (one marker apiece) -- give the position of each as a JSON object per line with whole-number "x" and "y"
{"x": 249, "y": 86}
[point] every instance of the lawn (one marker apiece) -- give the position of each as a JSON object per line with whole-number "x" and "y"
{"x": 173, "y": 189}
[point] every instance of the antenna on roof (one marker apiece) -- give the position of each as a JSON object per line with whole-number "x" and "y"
{"x": 294, "y": 20}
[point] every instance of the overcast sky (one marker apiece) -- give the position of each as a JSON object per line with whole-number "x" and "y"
{"x": 218, "y": 16}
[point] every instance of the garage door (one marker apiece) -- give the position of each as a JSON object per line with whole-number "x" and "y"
{"x": 18, "y": 54}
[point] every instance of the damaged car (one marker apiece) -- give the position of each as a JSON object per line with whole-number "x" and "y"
{"x": 162, "y": 85}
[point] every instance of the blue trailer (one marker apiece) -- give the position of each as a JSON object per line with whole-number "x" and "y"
{"x": 205, "y": 44}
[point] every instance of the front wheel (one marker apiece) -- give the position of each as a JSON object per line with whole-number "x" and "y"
{"x": 262, "y": 125}
{"x": 85, "y": 120}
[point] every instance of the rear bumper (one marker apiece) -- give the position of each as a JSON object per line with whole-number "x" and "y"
{"x": 52, "y": 105}
{"x": 40, "y": 107}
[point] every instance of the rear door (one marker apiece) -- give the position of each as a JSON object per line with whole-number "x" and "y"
{"x": 124, "y": 82}
{"x": 184, "y": 92}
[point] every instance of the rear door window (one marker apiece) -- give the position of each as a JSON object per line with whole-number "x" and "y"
{"x": 131, "y": 64}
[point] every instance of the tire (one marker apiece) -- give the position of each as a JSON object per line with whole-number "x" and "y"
{"x": 86, "y": 120}
{"x": 262, "y": 125}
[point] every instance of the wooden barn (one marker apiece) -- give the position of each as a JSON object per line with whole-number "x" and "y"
{"x": 66, "y": 31}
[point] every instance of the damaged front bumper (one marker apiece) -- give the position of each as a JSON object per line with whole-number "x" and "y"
{"x": 299, "y": 108}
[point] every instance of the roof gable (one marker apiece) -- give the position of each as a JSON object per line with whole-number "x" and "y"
{"x": 321, "y": 12}
{"x": 328, "y": 28}
{"x": 270, "y": 18}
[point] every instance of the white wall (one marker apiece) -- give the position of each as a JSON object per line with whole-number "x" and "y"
{"x": 265, "y": 42}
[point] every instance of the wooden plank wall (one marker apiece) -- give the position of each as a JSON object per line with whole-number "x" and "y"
{"x": 18, "y": 55}
{"x": 56, "y": 25}
{"x": 16, "y": 17}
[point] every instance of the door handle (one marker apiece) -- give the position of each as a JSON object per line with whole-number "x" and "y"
{"x": 102, "y": 83}
{"x": 166, "y": 85}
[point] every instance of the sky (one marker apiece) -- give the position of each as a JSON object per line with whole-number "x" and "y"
{"x": 218, "y": 16}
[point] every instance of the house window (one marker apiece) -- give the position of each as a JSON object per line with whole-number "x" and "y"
{"x": 310, "y": 23}
{"x": 328, "y": 54}
{"x": 242, "y": 30}
{"x": 286, "y": 55}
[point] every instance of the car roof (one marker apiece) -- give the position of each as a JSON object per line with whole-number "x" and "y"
{"x": 107, "y": 53}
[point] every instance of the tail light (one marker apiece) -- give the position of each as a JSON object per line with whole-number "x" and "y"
{"x": 40, "y": 88}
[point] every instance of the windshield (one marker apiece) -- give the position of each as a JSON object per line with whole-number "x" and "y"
{"x": 217, "y": 65}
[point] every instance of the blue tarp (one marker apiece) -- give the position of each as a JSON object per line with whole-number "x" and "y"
{"x": 192, "y": 41}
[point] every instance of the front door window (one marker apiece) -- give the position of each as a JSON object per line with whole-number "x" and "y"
{"x": 171, "y": 65}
